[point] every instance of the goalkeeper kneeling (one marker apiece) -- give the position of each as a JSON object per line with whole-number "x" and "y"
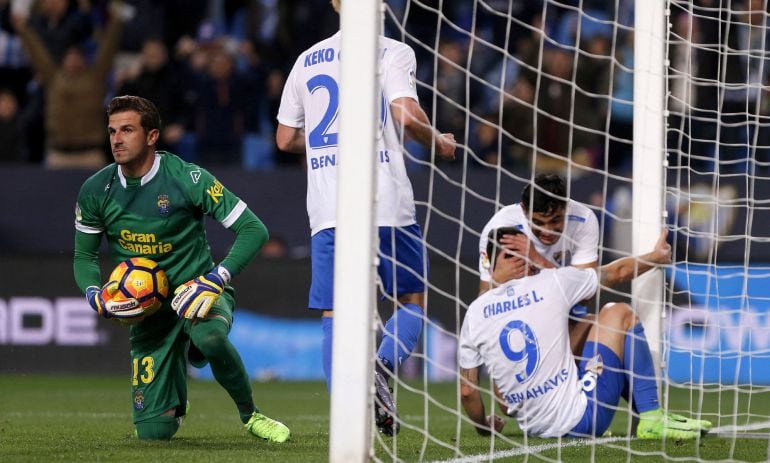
{"x": 519, "y": 331}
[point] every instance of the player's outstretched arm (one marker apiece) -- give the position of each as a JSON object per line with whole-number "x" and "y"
{"x": 415, "y": 123}
{"x": 627, "y": 268}
{"x": 474, "y": 406}
{"x": 471, "y": 398}
{"x": 39, "y": 56}
{"x": 290, "y": 139}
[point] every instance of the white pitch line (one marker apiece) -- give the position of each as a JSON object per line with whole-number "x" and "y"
{"x": 722, "y": 432}
{"x": 732, "y": 430}
{"x": 529, "y": 449}
{"x": 741, "y": 428}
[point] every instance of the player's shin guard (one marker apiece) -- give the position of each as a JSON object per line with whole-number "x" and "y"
{"x": 159, "y": 428}
{"x": 402, "y": 332}
{"x": 327, "y": 324}
{"x": 210, "y": 337}
{"x": 637, "y": 361}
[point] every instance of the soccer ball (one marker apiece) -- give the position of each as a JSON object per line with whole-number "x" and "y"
{"x": 141, "y": 279}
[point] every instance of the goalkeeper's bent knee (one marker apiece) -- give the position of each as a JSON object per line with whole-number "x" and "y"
{"x": 210, "y": 337}
{"x": 159, "y": 428}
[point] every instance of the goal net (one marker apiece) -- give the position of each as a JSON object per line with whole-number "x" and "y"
{"x": 656, "y": 114}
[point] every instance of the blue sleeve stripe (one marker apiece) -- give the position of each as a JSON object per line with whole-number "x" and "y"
{"x": 576, "y": 218}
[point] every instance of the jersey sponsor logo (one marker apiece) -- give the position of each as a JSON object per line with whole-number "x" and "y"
{"x": 215, "y": 191}
{"x": 195, "y": 175}
{"x": 538, "y": 391}
{"x": 143, "y": 243}
{"x": 519, "y": 302}
{"x": 164, "y": 205}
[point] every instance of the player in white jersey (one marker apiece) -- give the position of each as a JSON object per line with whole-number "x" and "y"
{"x": 308, "y": 124}
{"x": 557, "y": 232}
{"x": 519, "y": 330}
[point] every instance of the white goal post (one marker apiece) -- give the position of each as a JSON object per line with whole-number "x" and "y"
{"x": 649, "y": 162}
{"x": 352, "y": 361}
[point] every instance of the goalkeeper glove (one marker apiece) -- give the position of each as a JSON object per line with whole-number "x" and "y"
{"x": 195, "y": 298}
{"x": 108, "y": 308}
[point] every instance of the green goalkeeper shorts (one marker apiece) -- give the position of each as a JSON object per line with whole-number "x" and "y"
{"x": 159, "y": 362}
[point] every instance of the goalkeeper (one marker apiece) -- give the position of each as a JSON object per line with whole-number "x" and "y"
{"x": 152, "y": 204}
{"x": 519, "y": 330}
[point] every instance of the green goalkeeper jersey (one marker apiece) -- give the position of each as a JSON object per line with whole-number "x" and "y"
{"x": 160, "y": 216}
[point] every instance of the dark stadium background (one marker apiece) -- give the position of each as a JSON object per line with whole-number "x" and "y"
{"x": 37, "y": 204}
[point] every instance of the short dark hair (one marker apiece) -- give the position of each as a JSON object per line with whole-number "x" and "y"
{"x": 148, "y": 113}
{"x": 493, "y": 242}
{"x": 550, "y": 194}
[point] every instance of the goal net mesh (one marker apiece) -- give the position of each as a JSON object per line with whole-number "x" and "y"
{"x": 548, "y": 86}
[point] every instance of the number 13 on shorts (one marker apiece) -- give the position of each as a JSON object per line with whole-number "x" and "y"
{"x": 143, "y": 370}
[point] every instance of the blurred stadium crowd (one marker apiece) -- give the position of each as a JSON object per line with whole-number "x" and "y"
{"x": 502, "y": 75}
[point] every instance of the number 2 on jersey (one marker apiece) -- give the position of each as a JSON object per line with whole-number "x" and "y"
{"x": 320, "y": 137}
{"x": 529, "y": 353}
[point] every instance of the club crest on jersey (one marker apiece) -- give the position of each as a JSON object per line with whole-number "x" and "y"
{"x": 164, "y": 205}
{"x": 195, "y": 175}
{"x": 139, "y": 400}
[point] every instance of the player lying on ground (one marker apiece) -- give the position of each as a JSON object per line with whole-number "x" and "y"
{"x": 519, "y": 331}
{"x": 152, "y": 204}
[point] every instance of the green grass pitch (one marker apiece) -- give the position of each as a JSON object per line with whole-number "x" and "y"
{"x": 85, "y": 419}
